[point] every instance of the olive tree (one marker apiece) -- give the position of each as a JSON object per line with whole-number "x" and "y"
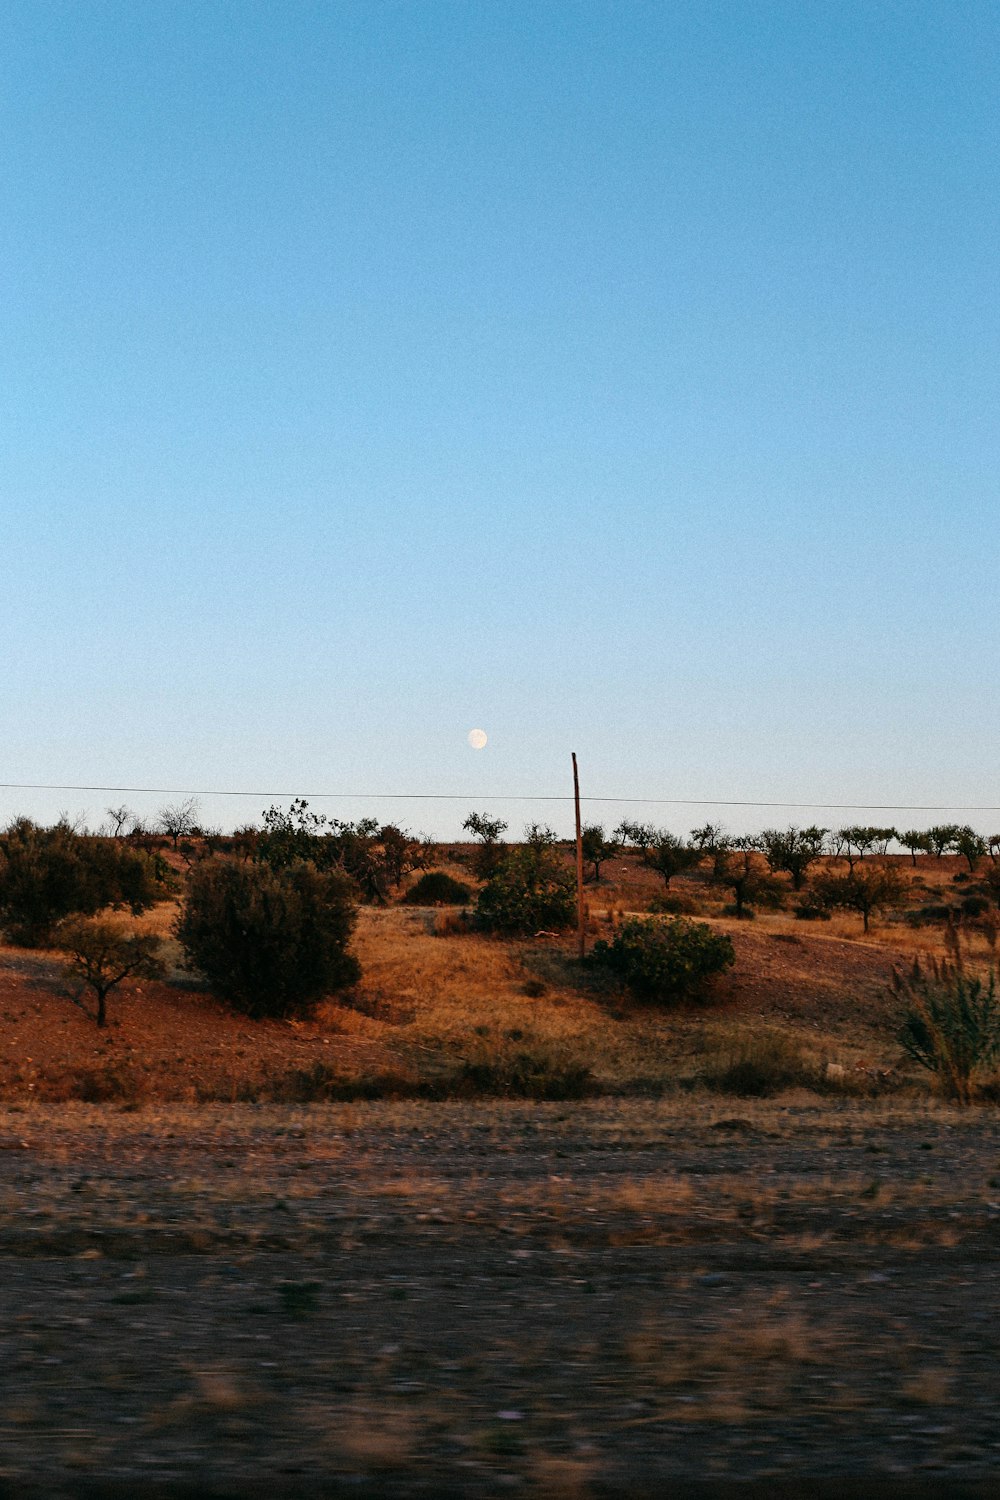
{"x": 669, "y": 856}
{"x": 597, "y": 848}
{"x": 866, "y": 890}
{"x": 793, "y": 850}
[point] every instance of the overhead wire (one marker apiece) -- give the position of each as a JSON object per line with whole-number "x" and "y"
{"x": 167, "y": 791}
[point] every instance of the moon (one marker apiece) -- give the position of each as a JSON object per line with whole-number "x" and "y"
{"x": 478, "y": 738}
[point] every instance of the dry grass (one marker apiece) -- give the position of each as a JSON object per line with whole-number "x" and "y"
{"x": 440, "y": 1006}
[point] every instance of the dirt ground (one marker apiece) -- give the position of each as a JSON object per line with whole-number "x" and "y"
{"x": 601, "y": 1299}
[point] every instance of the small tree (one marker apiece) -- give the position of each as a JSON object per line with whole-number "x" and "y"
{"x": 793, "y": 851}
{"x": 399, "y": 853}
{"x": 665, "y": 960}
{"x": 271, "y": 942}
{"x": 970, "y": 844}
{"x": 739, "y": 866}
{"x": 993, "y": 847}
{"x": 179, "y": 820}
{"x": 597, "y": 848}
{"x": 865, "y": 890}
{"x": 916, "y": 842}
{"x": 243, "y": 841}
{"x": 489, "y": 831}
{"x": 669, "y": 856}
{"x": 856, "y": 841}
{"x": 708, "y": 838}
{"x": 951, "y": 1023}
{"x": 103, "y": 956}
{"x": 119, "y": 820}
{"x": 942, "y": 838}
{"x": 640, "y": 835}
{"x": 289, "y": 837}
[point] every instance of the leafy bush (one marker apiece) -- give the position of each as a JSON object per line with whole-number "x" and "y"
{"x": 529, "y": 891}
{"x": 666, "y": 960}
{"x": 47, "y": 874}
{"x": 375, "y": 857}
{"x": 437, "y": 888}
{"x": 951, "y": 1023}
{"x": 271, "y": 942}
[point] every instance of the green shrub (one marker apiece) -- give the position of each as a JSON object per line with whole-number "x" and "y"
{"x": 530, "y": 891}
{"x": 47, "y": 874}
{"x": 437, "y": 888}
{"x": 666, "y": 960}
{"x": 950, "y": 1025}
{"x": 270, "y": 942}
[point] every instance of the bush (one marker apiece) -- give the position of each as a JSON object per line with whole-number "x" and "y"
{"x": 666, "y": 960}
{"x": 974, "y": 906}
{"x": 47, "y": 874}
{"x": 528, "y": 892}
{"x": 951, "y": 1024}
{"x": 270, "y": 942}
{"x": 437, "y": 888}
{"x": 924, "y": 916}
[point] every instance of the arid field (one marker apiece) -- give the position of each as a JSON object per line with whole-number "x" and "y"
{"x": 492, "y": 1226}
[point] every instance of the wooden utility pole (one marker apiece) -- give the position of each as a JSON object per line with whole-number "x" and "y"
{"x": 580, "y": 920}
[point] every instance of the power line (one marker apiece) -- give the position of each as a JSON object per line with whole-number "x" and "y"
{"x": 180, "y": 791}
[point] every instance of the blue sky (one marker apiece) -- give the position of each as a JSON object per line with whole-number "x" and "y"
{"x": 619, "y": 378}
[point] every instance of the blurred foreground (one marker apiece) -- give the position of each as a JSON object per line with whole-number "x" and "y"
{"x": 590, "y": 1299}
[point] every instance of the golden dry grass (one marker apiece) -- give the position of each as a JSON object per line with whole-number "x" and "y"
{"x": 436, "y": 998}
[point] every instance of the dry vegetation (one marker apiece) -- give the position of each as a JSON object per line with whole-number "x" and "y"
{"x": 231, "y": 1272}
{"x": 441, "y": 1009}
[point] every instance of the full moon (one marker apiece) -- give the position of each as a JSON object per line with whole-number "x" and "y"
{"x": 477, "y": 738}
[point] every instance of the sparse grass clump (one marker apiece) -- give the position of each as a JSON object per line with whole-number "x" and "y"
{"x": 951, "y": 1023}
{"x": 666, "y": 960}
{"x": 756, "y": 1067}
{"x": 525, "y": 1073}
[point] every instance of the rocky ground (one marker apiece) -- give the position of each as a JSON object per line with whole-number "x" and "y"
{"x": 605, "y": 1299}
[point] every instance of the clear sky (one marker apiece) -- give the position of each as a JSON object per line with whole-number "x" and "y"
{"x": 614, "y": 377}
